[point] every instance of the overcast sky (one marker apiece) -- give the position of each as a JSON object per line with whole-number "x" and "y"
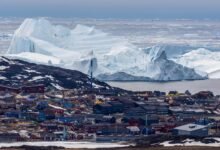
{"x": 163, "y": 9}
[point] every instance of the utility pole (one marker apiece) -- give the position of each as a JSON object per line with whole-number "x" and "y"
{"x": 63, "y": 97}
{"x": 91, "y": 71}
{"x": 146, "y": 120}
{"x": 65, "y": 133}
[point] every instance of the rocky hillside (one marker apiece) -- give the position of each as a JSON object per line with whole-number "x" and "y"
{"x": 17, "y": 72}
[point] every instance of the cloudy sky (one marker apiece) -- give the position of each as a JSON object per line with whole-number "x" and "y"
{"x": 163, "y": 9}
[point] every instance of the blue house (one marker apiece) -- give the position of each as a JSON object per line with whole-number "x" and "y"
{"x": 12, "y": 114}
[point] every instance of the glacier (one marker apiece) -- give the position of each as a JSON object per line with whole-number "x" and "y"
{"x": 39, "y": 41}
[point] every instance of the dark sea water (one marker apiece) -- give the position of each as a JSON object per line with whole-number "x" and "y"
{"x": 181, "y": 86}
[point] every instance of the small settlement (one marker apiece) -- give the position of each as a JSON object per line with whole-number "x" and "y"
{"x": 35, "y": 114}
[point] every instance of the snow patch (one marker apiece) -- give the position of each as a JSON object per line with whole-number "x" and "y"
{"x": 56, "y": 107}
{"x": 64, "y": 144}
{"x": 31, "y": 71}
{"x": 3, "y": 78}
{"x": 190, "y": 142}
{"x": 3, "y": 67}
{"x": 57, "y": 86}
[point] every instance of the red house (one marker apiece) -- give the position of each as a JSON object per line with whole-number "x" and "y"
{"x": 33, "y": 89}
{"x": 9, "y": 89}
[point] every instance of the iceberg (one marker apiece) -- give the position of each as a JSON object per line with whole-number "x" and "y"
{"x": 39, "y": 41}
{"x": 204, "y": 61}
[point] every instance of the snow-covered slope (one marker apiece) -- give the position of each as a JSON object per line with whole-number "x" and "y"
{"x": 202, "y": 60}
{"x": 37, "y": 40}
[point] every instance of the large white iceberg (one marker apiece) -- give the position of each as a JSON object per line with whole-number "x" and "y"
{"x": 37, "y": 40}
{"x": 203, "y": 60}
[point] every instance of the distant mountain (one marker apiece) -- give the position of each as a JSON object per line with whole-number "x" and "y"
{"x": 39, "y": 41}
{"x": 17, "y": 73}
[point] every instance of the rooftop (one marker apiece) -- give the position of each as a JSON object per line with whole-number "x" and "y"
{"x": 190, "y": 127}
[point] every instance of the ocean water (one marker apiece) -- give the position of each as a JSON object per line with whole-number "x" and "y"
{"x": 180, "y": 86}
{"x": 142, "y": 33}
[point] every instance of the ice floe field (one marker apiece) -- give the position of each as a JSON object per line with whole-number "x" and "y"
{"x": 139, "y": 32}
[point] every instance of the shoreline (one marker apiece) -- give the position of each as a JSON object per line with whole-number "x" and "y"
{"x": 180, "y": 86}
{"x": 124, "y": 148}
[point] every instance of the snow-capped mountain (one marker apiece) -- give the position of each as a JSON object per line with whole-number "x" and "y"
{"x": 203, "y": 60}
{"x": 38, "y": 41}
{"x": 17, "y": 73}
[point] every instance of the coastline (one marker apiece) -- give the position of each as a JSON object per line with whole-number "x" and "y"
{"x": 181, "y": 86}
